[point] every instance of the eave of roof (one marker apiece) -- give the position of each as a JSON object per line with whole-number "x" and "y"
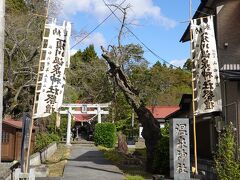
{"x": 160, "y": 112}
{"x": 14, "y": 123}
{"x": 185, "y": 98}
{"x": 205, "y": 8}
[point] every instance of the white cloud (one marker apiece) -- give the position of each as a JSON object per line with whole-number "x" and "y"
{"x": 97, "y": 39}
{"x": 140, "y": 9}
{"x": 178, "y": 62}
{"x": 73, "y": 51}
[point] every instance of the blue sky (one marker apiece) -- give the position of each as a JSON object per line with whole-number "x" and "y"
{"x": 158, "y": 23}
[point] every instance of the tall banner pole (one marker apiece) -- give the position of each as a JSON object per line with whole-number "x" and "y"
{"x": 26, "y": 169}
{"x": 2, "y": 33}
{"x": 193, "y": 95}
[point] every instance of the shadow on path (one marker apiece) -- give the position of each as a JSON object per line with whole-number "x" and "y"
{"x": 88, "y": 163}
{"x": 87, "y": 167}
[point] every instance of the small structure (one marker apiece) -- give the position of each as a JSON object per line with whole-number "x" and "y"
{"x": 88, "y": 109}
{"x": 206, "y": 123}
{"x": 162, "y": 112}
{"x": 11, "y": 139}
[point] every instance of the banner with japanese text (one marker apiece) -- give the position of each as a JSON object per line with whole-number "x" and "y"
{"x": 206, "y": 70}
{"x": 55, "y": 57}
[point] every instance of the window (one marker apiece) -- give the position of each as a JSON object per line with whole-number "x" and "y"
{"x": 5, "y": 137}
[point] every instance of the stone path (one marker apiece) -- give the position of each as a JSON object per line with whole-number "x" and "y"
{"x": 87, "y": 163}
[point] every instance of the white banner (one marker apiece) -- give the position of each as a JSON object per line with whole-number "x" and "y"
{"x": 206, "y": 69}
{"x": 55, "y": 57}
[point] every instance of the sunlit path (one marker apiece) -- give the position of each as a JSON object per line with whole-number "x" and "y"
{"x": 87, "y": 163}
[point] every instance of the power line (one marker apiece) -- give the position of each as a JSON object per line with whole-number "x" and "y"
{"x": 112, "y": 12}
{"x": 156, "y": 55}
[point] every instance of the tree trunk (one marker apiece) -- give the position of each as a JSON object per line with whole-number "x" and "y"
{"x": 151, "y": 131}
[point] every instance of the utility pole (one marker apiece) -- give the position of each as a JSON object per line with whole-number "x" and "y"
{"x": 2, "y": 32}
{"x": 193, "y": 95}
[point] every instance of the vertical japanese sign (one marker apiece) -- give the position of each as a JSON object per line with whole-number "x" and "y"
{"x": 55, "y": 57}
{"x": 25, "y": 138}
{"x": 206, "y": 69}
{"x": 179, "y": 149}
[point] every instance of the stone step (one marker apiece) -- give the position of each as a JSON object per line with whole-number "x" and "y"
{"x": 140, "y": 143}
{"x": 41, "y": 170}
{"x": 48, "y": 178}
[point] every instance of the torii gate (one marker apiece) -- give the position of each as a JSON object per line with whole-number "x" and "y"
{"x": 70, "y": 109}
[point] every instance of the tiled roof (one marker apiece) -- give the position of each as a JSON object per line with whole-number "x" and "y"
{"x": 14, "y": 123}
{"x": 161, "y": 112}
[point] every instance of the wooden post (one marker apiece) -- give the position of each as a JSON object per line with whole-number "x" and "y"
{"x": 132, "y": 118}
{"x": 2, "y": 33}
{"x": 58, "y": 120}
{"x": 35, "y": 97}
{"x": 68, "y": 140}
{"x": 193, "y": 95}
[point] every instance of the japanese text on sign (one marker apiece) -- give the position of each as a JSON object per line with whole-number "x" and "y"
{"x": 204, "y": 55}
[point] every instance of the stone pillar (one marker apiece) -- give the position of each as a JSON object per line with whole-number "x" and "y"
{"x": 58, "y": 120}
{"x": 68, "y": 140}
{"x": 99, "y": 114}
{"x": 140, "y": 131}
{"x": 179, "y": 149}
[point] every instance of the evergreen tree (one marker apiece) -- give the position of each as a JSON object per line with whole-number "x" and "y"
{"x": 226, "y": 159}
{"x": 89, "y": 54}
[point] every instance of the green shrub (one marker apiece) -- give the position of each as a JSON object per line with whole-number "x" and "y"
{"x": 54, "y": 137}
{"x": 125, "y": 126}
{"x": 44, "y": 139}
{"x": 226, "y": 160}
{"x": 130, "y": 177}
{"x": 161, "y": 154}
{"x": 105, "y": 135}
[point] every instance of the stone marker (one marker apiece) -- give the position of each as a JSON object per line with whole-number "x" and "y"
{"x": 179, "y": 149}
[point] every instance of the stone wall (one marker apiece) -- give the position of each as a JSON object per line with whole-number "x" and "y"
{"x": 40, "y": 157}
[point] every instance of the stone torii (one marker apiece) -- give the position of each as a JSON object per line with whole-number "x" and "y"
{"x": 74, "y": 109}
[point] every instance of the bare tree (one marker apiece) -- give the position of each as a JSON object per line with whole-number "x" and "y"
{"x": 23, "y": 34}
{"x": 23, "y": 40}
{"x": 116, "y": 56}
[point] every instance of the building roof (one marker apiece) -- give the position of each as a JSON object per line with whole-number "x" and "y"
{"x": 161, "y": 112}
{"x": 205, "y": 8}
{"x": 83, "y": 117}
{"x": 184, "y": 105}
{"x": 186, "y": 99}
{"x": 14, "y": 123}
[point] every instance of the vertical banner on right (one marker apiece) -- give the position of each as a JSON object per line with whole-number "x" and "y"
{"x": 206, "y": 69}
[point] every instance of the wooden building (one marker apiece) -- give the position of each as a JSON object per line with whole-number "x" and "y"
{"x": 11, "y": 139}
{"x": 161, "y": 112}
{"x": 206, "y": 130}
{"x": 227, "y": 32}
